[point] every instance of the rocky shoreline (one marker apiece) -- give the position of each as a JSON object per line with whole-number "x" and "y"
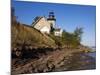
{"x": 54, "y": 61}
{"x": 78, "y": 61}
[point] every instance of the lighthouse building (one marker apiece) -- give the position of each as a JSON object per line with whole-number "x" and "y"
{"x": 46, "y": 25}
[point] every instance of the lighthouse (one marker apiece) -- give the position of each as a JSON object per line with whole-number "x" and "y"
{"x": 51, "y": 19}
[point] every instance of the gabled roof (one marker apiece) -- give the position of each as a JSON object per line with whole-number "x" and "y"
{"x": 37, "y": 20}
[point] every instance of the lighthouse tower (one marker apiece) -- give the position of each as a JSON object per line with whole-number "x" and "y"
{"x": 51, "y": 19}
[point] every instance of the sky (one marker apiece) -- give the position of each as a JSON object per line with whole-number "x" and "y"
{"x": 68, "y": 16}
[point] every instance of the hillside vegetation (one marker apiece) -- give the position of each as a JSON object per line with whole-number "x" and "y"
{"x": 26, "y": 35}
{"x": 25, "y": 39}
{"x": 71, "y": 40}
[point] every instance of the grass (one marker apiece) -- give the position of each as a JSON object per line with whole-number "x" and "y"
{"x": 24, "y": 34}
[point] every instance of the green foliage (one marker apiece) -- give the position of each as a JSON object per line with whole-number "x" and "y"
{"x": 69, "y": 39}
{"x": 78, "y": 33}
{"x": 57, "y": 40}
{"x": 74, "y": 38}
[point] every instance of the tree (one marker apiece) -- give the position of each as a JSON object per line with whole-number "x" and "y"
{"x": 78, "y": 33}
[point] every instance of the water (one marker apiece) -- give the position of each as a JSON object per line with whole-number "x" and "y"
{"x": 93, "y": 54}
{"x": 85, "y": 61}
